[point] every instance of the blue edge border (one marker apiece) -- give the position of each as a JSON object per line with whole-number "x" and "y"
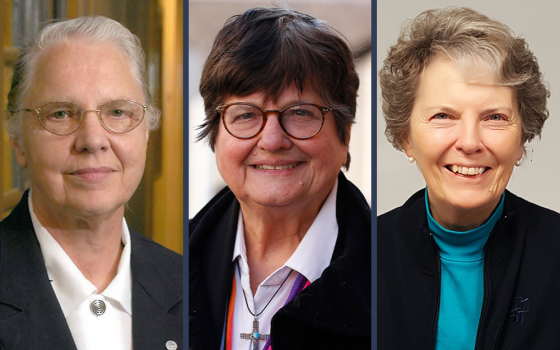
{"x": 373, "y": 181}
{"x": 373, "y": 186}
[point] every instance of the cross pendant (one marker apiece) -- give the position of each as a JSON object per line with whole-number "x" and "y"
{"x": 255, "y": 336}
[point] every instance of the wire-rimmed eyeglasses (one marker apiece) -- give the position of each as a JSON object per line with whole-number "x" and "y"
{"x": 300, "y": 121}
{"x": 65, "y": 118}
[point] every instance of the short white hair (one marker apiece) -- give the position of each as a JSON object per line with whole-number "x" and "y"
{"x": 96, "y": 29}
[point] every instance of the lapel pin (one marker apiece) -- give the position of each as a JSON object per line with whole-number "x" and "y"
{"x": 171, "y": 345}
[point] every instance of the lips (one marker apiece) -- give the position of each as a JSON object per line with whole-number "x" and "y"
{"x": 86, "y": 171}
{"x": 93, "y": 174}
{"x": 466, "y": 171}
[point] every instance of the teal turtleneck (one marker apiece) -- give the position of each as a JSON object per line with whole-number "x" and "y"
{"x": 462, "y": 280}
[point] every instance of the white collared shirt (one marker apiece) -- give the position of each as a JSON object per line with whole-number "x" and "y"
{"x": 113, "y": 329}
{"x": 310, "y": 258}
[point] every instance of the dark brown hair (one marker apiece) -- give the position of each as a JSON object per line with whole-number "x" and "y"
{"x": 268, "y": 50}
{"x": 469, "y": 38}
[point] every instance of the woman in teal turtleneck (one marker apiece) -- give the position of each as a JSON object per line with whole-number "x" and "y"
{"x": 464, "y": 264}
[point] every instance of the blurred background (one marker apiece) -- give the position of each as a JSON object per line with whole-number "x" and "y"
{"x": 206, "y": 17}
{"x": 156, "y": 209}
{"x": 536, "y": 180}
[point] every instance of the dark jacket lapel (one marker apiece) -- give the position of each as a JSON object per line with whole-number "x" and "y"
{"x": 157, "y": 295}
{"x": 334, "y": 312}
{"x": 210, "y": 269}
{"x": 30, "y": 315}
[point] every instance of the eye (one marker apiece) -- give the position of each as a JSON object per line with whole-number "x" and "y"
{"x": 302, "y": 112}
{"x": 118, "y": 113}
{"x": 59, "y": 115}
{"x": 441, "y": 116}
{"x": 245, "y": 116}
{"x": 496, "y": 117}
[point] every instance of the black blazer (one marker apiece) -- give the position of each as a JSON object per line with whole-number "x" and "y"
{"x": 334, "y": 312}
{"x": 31, "y": 317}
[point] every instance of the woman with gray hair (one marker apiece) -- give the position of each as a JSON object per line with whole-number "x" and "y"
{"x": 72, "y": 275}
{"x": 464, "y": 263}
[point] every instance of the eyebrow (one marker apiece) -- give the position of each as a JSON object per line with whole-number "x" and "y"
{"x": 450, "y": 110}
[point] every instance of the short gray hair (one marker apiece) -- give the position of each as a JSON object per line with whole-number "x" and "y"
{"x": 467, "y": 37}
{"x": 97, "y": 29}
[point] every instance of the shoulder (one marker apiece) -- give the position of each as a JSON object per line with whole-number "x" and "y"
{"x": 531, "y": 211}
{"x": 146, "y": 250}
{"x": 212, "y": 210}
{"x": 534, "y": 216}
{"x": 351, "y": 204}
{"x": 413, "y": 207}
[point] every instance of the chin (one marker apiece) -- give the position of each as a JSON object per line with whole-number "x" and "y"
{"x": 96, "y": 205}
{"x": 473, "y": 200}
{"x": 272, "y": 201}
{"x": 272, "y": 198}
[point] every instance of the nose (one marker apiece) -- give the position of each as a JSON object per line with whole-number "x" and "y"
{"x": 272, "y": 138}
{"x": 469, "y": 138}
{"x": 91, "y": 137}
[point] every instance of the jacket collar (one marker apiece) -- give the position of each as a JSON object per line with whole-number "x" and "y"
{"x": 415, "y": 236}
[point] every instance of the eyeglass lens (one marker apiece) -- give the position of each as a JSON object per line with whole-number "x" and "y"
{"x": 64, "y": 117}
{"x": 300, "y": 121}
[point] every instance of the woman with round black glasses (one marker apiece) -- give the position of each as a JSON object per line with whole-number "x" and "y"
{"x": 281, "y": 257}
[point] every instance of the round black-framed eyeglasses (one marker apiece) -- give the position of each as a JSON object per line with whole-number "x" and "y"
{"x": 245, "y": 120}
{"x": 65, "y": 118}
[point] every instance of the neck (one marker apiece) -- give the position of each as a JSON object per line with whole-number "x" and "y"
{"x": 94, "y": 244}
{"x": 272, "y": 235}
{"x": 461, "y": 219}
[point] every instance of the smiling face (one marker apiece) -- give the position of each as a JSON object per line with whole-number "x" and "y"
{"x": 91, "y": 172}
{"x": 274, "y": 169}
{"x": 465, "y": 134}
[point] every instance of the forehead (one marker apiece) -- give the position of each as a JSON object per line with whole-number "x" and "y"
{"x": 446, "y": 78}
{"x": 79, "y": 67}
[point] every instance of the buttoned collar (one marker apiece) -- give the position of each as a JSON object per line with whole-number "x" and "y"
{"x": 68, "y": 282}
{"x": 313, "y": 253}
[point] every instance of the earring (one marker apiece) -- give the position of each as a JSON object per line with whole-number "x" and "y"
{"x": 411, "y": 160}
{"x": 518, "y": 162}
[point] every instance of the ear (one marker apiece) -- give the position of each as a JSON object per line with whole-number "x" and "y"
{"x": 348, "y": 134}
{"x": 520, "y": 152}
{"x": 19, "y": 153}
{"x": 408, "y": 150}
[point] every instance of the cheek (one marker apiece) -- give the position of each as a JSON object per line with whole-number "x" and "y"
{"x": 132, "y": 155}
{"x": 231, "y": 152}
{"x": 231, "y": 158}
{"x": 41, "y": 153}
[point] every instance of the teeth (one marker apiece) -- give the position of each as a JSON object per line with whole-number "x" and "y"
{"x": 466, "y": 170}
{"x": 272, "y": 167}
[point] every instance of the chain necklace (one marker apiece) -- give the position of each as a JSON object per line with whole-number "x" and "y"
{"x": 255, "y": 336}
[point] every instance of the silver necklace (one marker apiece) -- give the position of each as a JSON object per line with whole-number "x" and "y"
{"x": 255, "y": 336}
